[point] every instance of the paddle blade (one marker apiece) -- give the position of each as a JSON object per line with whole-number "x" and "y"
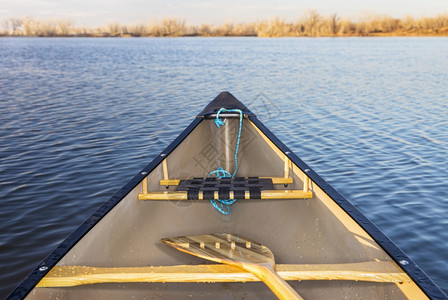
{"x": 223, "y": 248}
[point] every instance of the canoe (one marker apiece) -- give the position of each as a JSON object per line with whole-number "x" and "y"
{"x": 230, "y": 179}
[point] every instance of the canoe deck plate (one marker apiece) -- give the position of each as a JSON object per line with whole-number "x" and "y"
{"x": 239, "y": 186}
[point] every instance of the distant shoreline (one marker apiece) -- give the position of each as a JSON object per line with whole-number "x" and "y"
{"x": 311, "y": 24}
{"x": 224, "y": 36}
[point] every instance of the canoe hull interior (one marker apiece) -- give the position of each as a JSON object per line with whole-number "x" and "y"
{"x": 298, "y": 231}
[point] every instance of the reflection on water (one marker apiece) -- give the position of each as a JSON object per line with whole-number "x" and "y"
{"x": 81, "y": 116}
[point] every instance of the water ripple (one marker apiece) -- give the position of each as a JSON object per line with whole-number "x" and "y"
{"x": 80, "y": 117}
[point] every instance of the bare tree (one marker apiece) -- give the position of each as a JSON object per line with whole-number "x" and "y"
{"x": 82, "y": 31}
{"x": 227, "y": 29}
{"x": 46, "y": 28}
{"x": 138, "y": 29}
{"x": 312, "y": 19}
{"x": 114, "y": 29}
{"x": 334, "y": 24}
{"x": 15, "y": 24}
{"x": 276, "y": 27}
{"x": 5, "y": 25}
{"x": 242, "y": 29}
{"x": 28, "y": 26}
{"x": 154, "y": 29}
{"x": 390, "y": 24}
{"x": 173, "y": 27}
{"x": 64, "y": 26}
{"x": 204, "y": 30}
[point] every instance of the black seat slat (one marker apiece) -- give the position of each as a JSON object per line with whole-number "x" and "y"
{"x": 237, "y": 185}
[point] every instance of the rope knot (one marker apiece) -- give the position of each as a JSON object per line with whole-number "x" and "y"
{"x": 219, "y": 122}
{"x": 220, "y": 173}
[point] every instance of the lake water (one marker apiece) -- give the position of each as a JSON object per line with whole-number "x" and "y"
{"x": 80, "y": 117}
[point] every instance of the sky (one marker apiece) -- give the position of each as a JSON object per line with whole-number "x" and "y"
{"x": 195, "y": 12}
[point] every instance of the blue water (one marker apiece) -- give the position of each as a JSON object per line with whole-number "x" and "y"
{"x": 80, "y": 117}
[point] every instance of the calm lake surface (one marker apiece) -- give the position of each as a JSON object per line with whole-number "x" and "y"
{"x": 80, "y": 117}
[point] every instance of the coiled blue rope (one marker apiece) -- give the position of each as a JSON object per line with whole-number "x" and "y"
{"x": 223, "y": 205}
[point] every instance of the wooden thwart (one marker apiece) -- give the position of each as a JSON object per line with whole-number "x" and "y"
{"x": 65, "y": 276}
{"x": 265, "y": 194}
{"x": 275, "y": 180}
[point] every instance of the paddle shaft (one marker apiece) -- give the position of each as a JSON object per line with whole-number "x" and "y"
{"x": 275, "y": 283}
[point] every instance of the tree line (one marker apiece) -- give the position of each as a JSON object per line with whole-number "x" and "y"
{"x": 310, "y": 24}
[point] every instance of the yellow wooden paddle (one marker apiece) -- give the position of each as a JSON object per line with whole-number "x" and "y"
{"x": 237, "y": 251}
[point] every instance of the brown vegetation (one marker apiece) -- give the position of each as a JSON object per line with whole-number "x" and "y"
{"x": 311, "y": 24}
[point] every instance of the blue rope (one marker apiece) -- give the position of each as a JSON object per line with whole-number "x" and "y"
{"x": 223, "y": 205}
{"x": 220, "y": 173}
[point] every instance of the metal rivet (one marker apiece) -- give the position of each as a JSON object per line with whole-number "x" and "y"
{"x": 163, "y": 154}
{"x": 287, "y": 152}
{"x": 404, "y": 262}
{"x": 307, "y": 170}
{"x": 144, "y": 173}
{"x": 43, "y": 268}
